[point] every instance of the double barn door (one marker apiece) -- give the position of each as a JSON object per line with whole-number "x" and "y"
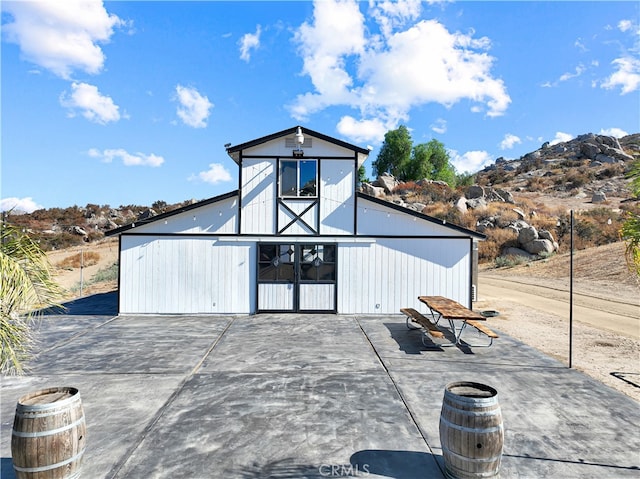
{"x": 296, "y": 277}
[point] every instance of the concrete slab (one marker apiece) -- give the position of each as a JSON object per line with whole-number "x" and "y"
{"x": 558, "y": 422}
{"x": 310, "y": 396}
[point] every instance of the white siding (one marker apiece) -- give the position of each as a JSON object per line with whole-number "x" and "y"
{"x": 219, "y": 217}
{"x": 319, "y": 148}
{"x": 186, "y": 275}
{"x": 382, "y": 277}
{"x": 337, "y": 207}
{"x": 375, "y": 219}
{"x": 317, "y": 297}
{"x": 275, "y": 297}
{"x": 258, "y": 196}
{"x": 297, "y": 207}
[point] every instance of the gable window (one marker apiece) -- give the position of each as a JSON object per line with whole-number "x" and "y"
{"x": 298, "y": 178}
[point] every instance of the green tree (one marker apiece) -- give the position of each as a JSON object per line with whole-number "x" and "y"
{"x": 399, "y": 157}
{"x": 432, "y": 161}
{"x": 362, "y": 175}
{"x": 395, "y": 153}
{"x": 26, "y": 286}
{"x": 630, "y": 230}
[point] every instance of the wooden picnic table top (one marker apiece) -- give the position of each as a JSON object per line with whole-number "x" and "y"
{"x": 450, "y": 309}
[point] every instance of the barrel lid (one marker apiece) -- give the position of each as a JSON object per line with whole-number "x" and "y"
{"x": 48, "y": 396}
{"x": 471, "y": 390}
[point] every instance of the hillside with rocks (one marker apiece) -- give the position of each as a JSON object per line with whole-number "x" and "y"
{"x": 522, "y": 205}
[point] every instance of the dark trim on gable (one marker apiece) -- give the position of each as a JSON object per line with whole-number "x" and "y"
{"x": 422, "y": 216}
{"x": 292, "y": 131}
{"x": 168, "y": 214}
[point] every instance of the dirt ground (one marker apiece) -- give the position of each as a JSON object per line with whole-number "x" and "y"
{"x": 613, "y": 359}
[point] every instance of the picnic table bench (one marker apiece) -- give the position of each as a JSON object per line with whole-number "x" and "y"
{"x": 445, "y": 308}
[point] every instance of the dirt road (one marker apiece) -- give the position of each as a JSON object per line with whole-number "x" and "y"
{"x": 620, "y": 317}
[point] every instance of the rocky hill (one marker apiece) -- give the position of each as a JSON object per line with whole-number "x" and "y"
{"x": 521, "y": 203}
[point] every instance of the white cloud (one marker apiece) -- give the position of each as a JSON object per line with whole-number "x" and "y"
{"x": 471, "y": 161}
{"x": 439, "y": 126}
{"x": 61, "y": 36}
{"x": 363, "y": 131}
{"x": 128, "y": 159}
{"x": 390, "y": 15}
{"x": 216, "y": 173}
{"x": 248, "y": 42}
{"x": 194, "y": 108}
{"x": 561, "y": 137}
{"x": 626, "y": 67}
{"x": 19, "y": 205}
{"x": 624, "y": 25}
{"x": 627, "y": 75}
{"x": 580, "y": 69}
{"x": 385, "y": 75}
{"x": 617, "y": 132}
{"x": 509, "y": 141}
{"x": 92, "y": 104}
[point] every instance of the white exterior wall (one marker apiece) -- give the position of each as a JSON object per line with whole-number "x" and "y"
{"x": 258, "y": 193}
{"x": 337, "y": 203}
{"x": 378, "y": 220}
{"x": 218, "y": 217}
{"x": 285, "y": 217}
{"x": 392, "y": 273}
{"x": 186, "y": 275}
{"x": 277, "y": 148}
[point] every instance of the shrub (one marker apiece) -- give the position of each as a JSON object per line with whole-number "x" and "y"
{"x": 509, "y": 261}
{"x": 87, "y": 258}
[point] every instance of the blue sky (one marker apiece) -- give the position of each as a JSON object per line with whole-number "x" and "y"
{"x": 124, "y": 103}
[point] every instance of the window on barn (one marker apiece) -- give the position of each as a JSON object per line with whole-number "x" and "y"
{"x": 318, "y": 263}
{"x": 298, "y": 178}
{"x": 276, "y": 262}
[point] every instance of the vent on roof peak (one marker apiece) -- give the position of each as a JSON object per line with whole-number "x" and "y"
{"x": 291, "y": 142}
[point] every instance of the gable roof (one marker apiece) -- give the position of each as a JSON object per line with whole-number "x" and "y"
{"x": 162, "y": 216}
{"x": 422, "y": 216}
{"x": 233, "y": 151}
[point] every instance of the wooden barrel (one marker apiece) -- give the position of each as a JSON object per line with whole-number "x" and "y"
{"x": 49, "y": 434}
{"x": 471, "y": 431}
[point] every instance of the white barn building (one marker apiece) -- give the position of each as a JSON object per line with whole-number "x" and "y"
{"x": 295, "y": 237}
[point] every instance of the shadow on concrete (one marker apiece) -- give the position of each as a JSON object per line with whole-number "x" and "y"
{"x": 410, "y": 340}
{"x": 282, "y": 469}
{"x": 6, "y": 468}
{"x": 101, "y": 304}
{"x": 396, "y": 464}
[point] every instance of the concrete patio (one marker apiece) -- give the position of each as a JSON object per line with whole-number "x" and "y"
{"x": 308, "y": 396}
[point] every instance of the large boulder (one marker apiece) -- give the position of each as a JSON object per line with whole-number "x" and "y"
{"x": 474, "y": 191}
{"x": 476, "y": 203}
{"x": 590, "y": 150}
{"x": 599, "y": 197}
{"x": 387, "y": 182}
{"x": 539, "y": 246}
{"x": 375, "y": 191}
{"x": 506, "y": 196}
{"x": 527, "y": 235}
{"x": 461, "y": 204}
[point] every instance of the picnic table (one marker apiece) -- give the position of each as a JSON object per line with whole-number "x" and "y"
{"x": 451, "y": 311}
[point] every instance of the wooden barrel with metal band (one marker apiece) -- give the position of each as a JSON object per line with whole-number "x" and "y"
{"x": 49, "y": 434}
